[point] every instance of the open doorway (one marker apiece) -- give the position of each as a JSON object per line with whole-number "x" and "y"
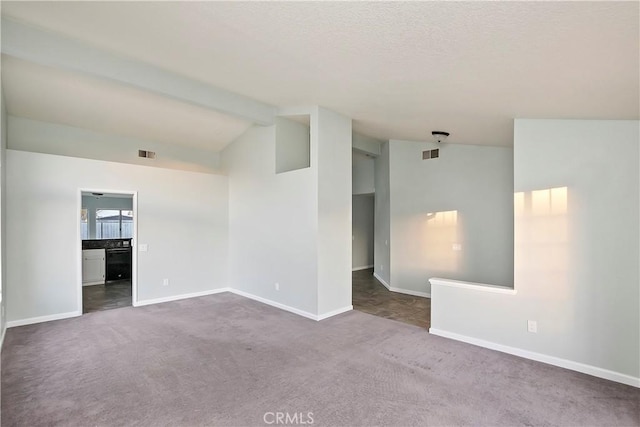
{"x": 108, "y": 229}
{"x": 371, "y": 289}
{"x": 362, "y": 226}
{"x": 370, "y": 295}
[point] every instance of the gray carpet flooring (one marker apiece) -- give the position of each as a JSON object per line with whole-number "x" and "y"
{"x": 227, "y": 360}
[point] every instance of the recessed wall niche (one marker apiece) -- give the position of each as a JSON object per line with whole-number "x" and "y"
{"x": 293, "y": 140}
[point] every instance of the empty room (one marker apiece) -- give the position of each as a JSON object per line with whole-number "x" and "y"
{"x": 320, "y": 213}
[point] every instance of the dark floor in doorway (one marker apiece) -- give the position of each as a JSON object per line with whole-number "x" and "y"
{"x": 106, "y": 297}
{"x": 370, "y": 296}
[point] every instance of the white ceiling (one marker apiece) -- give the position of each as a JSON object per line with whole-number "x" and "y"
{"x": 58, "y": 96}
{"x": 399, "y": 69}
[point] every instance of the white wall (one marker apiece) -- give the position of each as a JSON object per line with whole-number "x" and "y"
{"x": 272, "y": 223}
{"x": 92, "y": 203}
{"x": 292, "y": 228}
{"x": 182, "y": 216}
{"x": 363, "y": 181}
{"x": 43, "y": 137}
{"x": 107, "y": 202}
{"x": 365, "y": 144}
{"x": 577, "y": 251}
{"x": 465, "y": 198}
{"x": 362, "y": 229}
{"x": 333, "y": 149}
{"x": 3, "y": 216}
{"x": 382, "y": 219}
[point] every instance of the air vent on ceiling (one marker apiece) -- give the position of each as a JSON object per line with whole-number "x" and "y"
{"x": 431, "y": 154}
{"x": 147, "y": 154}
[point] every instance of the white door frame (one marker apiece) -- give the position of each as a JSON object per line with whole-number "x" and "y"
{"x": 134, "y": 242}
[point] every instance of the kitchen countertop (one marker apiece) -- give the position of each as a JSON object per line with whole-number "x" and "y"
{"x": 106, "y": 243}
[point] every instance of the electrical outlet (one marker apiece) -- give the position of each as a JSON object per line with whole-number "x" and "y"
{"x": 165, "y": 282}
{"x": 532, "y": 326}
{"x": 381, "y": 267}
{"x": 457, "y": 247}
{"x": 277, "y": 286}
{"x": 143, "y": 247}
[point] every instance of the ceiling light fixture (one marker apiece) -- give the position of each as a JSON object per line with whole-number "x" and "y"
{"x": 439, "y": 135}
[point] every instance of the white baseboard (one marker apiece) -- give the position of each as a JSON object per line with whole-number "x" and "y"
{"x": 4, "y": 331}
{"x": 381, "y": 280}
{"x": 410, "y": 292}
{"x": 274, "y": 304}
{"x": 539, "y": 357}
{"x": 481, "y": 287}
{"x": 289, "y": 308}
{"x": 334, "y": 313}
{"x": 364, "y": 267}
{"x": 92, "y": 283}
{"x": 303, "y": 313}
{"x": 400, "y": 290}
{"x": 179, "y": 297}
{"x": 40, "y": 319}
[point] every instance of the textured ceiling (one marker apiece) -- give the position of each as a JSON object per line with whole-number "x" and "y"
{"x": 399, "y": 69}
{"x": 57, "y": 96}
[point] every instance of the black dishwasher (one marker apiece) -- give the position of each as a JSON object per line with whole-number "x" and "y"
{"x": 118, "y": 263}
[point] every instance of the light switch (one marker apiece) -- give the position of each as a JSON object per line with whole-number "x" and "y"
{"x": 143, "y": 247}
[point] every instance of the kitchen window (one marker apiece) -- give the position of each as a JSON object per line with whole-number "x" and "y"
{"x": 114, "y": 224}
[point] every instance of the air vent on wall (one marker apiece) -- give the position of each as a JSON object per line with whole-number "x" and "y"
{"x": 147, "y": 154}
{"x": 431, "y": 154}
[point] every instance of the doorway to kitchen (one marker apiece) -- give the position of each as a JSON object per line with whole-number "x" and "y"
{"x": 107, "y": 236}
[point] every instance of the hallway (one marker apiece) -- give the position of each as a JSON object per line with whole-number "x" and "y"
{"x": 370, "y": 296}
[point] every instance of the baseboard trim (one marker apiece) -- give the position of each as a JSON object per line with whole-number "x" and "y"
{"x": 381, "y": 280}
{"x": 483, "y": 287}
{"x": 400, "y": 290}
{"x": 410, "y": 292}
{"x": 4, "y": 331}
{"x": 41, "y": 319}
{"x": 334, "y": 313}
{"x": 364, "y": 267}
{"x": 142, "y": 303}
{"x": 92, "y": 283}
{"x": 179, "y": 297}
{"x": 539, "y": 357}
{"x": 274, "y": 304}
{"x": 289, "y": 308}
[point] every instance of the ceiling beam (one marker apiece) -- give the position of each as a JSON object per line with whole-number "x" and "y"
{"x": 53, "y": 50}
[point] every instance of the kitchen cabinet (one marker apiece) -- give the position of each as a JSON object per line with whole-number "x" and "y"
{"x": 93, "y": 266}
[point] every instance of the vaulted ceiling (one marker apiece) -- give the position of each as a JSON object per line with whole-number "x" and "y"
{"x": 399, "y": 69}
